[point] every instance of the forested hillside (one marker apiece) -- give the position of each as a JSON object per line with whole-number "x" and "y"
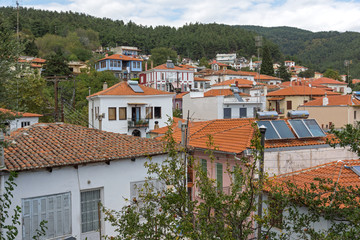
{"x": 193, "y": 40}
{"x": 319, "y": 50}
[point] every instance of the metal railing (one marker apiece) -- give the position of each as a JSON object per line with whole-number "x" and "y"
{"x": 142, "y": 122}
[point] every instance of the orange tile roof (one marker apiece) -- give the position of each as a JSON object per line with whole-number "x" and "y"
{"x": 300, "y": 91}
{"x": 187, "y": 66}
{"x": 240, "y": 81}
{"x": 337, "y": 100}
{"x": 163, "y": 130}
{"x": 121, "y": 57}
{"x": 324, "y": 80}
{"x": 201, "y": 79}
{"x": 220, "y": 64}
{"x": 337, "y": 171}
{"x": 55, "y": 145}
{"x": 35, "y": 65}
{"x": 39, "y": 60}
{"x": 19, "y": 114}
{"x": 180, "y": 95}
{"x": 355, "y": 81}
{"x": 122, "y": 88}
{"x": 164, "y": 67}
{"x": 221, "y": 92}
{"x": 225, "y": 131}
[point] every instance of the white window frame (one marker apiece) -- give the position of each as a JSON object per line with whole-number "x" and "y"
{"x": 81, "y": 211}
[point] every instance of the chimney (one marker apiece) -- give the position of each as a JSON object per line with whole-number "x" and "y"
{"x": 145, "y": 66}
{"x": 105, "y": 85}
{"x": 325, "y": 100}
{"x": 236, "y": 83}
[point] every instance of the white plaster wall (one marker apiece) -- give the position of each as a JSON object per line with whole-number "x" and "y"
{"x": 284, "y": 161}
{"x": 203, "y": 108}
{"x": 113, "y": 179}
{"x": 121, "y": 126}
{"x": 16, "y": 123}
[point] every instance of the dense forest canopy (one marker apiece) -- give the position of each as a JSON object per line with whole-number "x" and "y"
{"x": 319, "y": 51}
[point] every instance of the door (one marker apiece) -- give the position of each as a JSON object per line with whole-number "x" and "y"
{"x": 135, "y": 114}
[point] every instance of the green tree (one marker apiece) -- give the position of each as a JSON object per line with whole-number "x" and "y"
{"x": 267, "y": 63}
{"x": 56, "y": 65}
{"x": 169, "y": 213}
{"x": 283, "y": 73}
{"x": 161, "y": 55}
{"x": 307, "y": 74}
{"x": 204, "y": 62}
{"x": 331, "y": 73}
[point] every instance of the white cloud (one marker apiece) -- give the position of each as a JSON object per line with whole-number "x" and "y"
{"x": 315, "y": 15}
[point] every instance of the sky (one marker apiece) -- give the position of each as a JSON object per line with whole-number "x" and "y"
{"x": 313, "y": 15}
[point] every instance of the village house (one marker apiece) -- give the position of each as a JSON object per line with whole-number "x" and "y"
{"x": 288, "y": 145}
{"x": 290, "y": 98}
{"x": 336, "y": 85}
{"x": 201, "y": 84}
{"x": 343, "y": 173}
{"x": 334, "y": 111}
{"x": 221, "y": 103}
{"x": 168, "y": 77}
{"x": 123, "y": 66}
{"x": 126, "y": 50}
{"x": 226, "y": 74}
{"x": 129, "y": 108}
{"x": 18, "y": 119}
{"x": 82, "y": 168}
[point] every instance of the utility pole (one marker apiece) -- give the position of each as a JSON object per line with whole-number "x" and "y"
{"x": 258, "y": 44}
{"x": 262, "y": 129}
{"x": 17, "y": 20}
{"x": 56, "y": 80}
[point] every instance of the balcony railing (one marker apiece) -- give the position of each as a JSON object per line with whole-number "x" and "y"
{"x": 136, "y": 123}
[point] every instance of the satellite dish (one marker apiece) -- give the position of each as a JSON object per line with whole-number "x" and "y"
{"x": 348, "y": 90}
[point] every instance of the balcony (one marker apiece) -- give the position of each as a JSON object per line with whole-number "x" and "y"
{"x": 138, "y": 123}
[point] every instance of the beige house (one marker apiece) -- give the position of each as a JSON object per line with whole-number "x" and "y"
{"x": 291, "y": 98}
{"x": 336, "y": 110}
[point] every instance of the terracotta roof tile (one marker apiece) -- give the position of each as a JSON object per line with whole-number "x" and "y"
{"x": 180, "y": 95}
{"x": 54, "y": 145}
{"x": 19, "y": 114}
{"x": 300, "y": 91}
{"x": 338, "y": 100}
{"x": 39, "y": 60}
{"x": 201, "y": 79}
{"x": 335, "y": 171}
{"x": 164, "y": 67}
{"x": 123, "y": 88}
{"x": 221, "y": 92}
{"x": 121, "y": 57}
{"x": 324, "y": 80}
{"x": 240, "y": 81}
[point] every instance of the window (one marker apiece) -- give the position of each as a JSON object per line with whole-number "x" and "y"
{"x": 122, "y": 113}
{"x": 138, "y": 190}
{"x": 55, "y": 209}
{"x": 138, "y": 65}
{"x": 288, "y": 105}
{"x": 276, "y": 213}
{"x": 162, "y": 76}
{"x": 134, "y": 64}
{"x": 157, "y": 112}
{"x": 103, "y": 64}
{"x": 90, "y": 210}
{"x": 354, "y": 115}
{"x": 227, "y": 113}
{"x": 219, "y": 176}
{"x": 243, "y": 112}
{"x": 24, "y": 124}
{"x": 204, "y": 165}
{"x": 149, "y": 112}
{"x": 112, "y": 113}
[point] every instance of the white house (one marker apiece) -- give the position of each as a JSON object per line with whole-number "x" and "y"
{"x": 227, "y": 74}
{"x": 130, "y": 108}
{"x": 220, "y": 104}
{"x": 168, "y": 77}
{"x": 65, "y": 170}
{"x": 19, "y": 119}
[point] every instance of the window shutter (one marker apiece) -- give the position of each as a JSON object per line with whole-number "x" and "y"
{"x": 243, "y": 112}
{"x": 26, "y": 220}
{"x": 219, "y": 176}
{"x": 204, "y": 165}
{"x": 51, "y": 217}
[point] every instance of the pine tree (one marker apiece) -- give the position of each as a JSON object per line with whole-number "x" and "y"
{"x": 267, "y": 64}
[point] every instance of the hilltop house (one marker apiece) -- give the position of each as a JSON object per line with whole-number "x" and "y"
{"x": 19, "y": 119}
{"x": 65, "y": 171}
{"x": 129, "y": 108}
{"x": 168, "y": 77}
{"x": 123, "y": 66}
